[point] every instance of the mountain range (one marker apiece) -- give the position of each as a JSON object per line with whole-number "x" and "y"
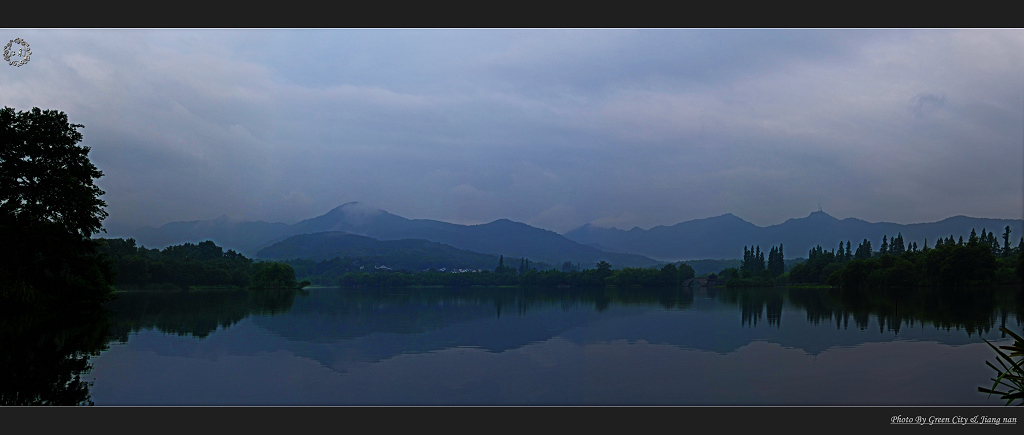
{"x": 725, "y": 236}
{"x": 502, "y": 237}
{"x": 405, "y": 254}
{"x": 719, "y": 237}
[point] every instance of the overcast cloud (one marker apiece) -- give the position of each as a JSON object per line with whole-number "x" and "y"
{"x": 554, "y": 128}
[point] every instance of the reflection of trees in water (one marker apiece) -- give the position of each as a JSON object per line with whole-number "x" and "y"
{"x": 358, "y": 312}
{"x": 513, "y": 300}
{"x": 973, "y": 309}
{"x": 46, "y": 353}
{"x": 754, "y": 302}
{"x": 196, "y": 313}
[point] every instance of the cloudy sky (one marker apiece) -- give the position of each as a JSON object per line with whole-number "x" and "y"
{"x": 554, "y": 128}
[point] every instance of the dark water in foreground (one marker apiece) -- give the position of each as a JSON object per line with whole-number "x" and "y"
{"x": 516, "y": 347}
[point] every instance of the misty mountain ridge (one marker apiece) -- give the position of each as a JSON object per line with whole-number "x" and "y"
{"x": 405, "y": 254}
{"x": 722, "y": 236}
{"x": 500, "y": 237}
{"x": 725, "y": 236}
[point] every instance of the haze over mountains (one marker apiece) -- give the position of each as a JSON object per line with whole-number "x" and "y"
{"x": 501, "y": 237}
{"x": 725, "y": 236}
{"x": 716, "y": 237}
{"x": 405, "y": 254}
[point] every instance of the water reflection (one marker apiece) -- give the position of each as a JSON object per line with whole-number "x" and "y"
{"x": 754, "y": 301}
{"x": 196, "y": 313}
{"x": 45, "y": 355}
{"x": 974, "y": 310}
{"x": 342, "y": 330}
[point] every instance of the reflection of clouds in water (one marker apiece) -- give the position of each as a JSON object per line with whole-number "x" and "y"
{"x": 764, "y": 373}
{"x": 448, "y": 347}
{"x": 560, "y": 372}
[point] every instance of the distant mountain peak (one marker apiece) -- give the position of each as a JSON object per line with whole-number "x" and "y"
{"x": 721, "y": 216}
{"x": 346, "y": 206}
{"x": 354, "y": 209}
{"x": 819, "y": 215}
{"x": 728, "y": 217}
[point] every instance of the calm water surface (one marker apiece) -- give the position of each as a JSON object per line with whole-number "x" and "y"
{"x": 332, "y": 346}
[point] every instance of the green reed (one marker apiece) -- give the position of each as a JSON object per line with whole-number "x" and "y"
{"x": 1011, "y": 376}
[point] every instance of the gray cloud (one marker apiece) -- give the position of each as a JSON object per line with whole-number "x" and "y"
{"x": 555, "y": 128}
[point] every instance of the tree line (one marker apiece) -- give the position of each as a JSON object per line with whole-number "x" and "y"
{"x": 525, "y": 274}
{"x": 191, "y": 265}
{"x": 754, "y": 271}
{"x": 981, "y": 260}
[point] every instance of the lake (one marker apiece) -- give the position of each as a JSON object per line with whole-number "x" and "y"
{"x": 520, "y": 346}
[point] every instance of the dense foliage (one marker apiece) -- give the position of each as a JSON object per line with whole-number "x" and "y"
{"x": 570, "y": 276}
{"x": 192, "y": 265}
{"x": 947, "y": 265}
{"x": 329, "y": 272}
{"x": 981, "y": 260}
{"x": 754, "y": 271}
{"x": 819, "y": 266}
{"x": 45, "y": 176}
{"x": 49, "y": 209}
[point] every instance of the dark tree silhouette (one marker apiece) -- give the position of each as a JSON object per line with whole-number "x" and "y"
{"x": 603, "y": 269}
{"x": 863, "y": 250}
{"x": 49, "y": 209}
{"x": 45, "y": 176}
{"x": 1006, "y": 242}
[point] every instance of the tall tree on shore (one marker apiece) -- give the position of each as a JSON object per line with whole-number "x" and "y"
{"x": 863, "y": 250}
{"x": 604, "y": 270}
{"x": 1006, "y": 242}
{"x": 753, "y": 260}
{"x": 776, "y": 262}
{"x": 898, "y": 247}
{"x": 49, "y": 209}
